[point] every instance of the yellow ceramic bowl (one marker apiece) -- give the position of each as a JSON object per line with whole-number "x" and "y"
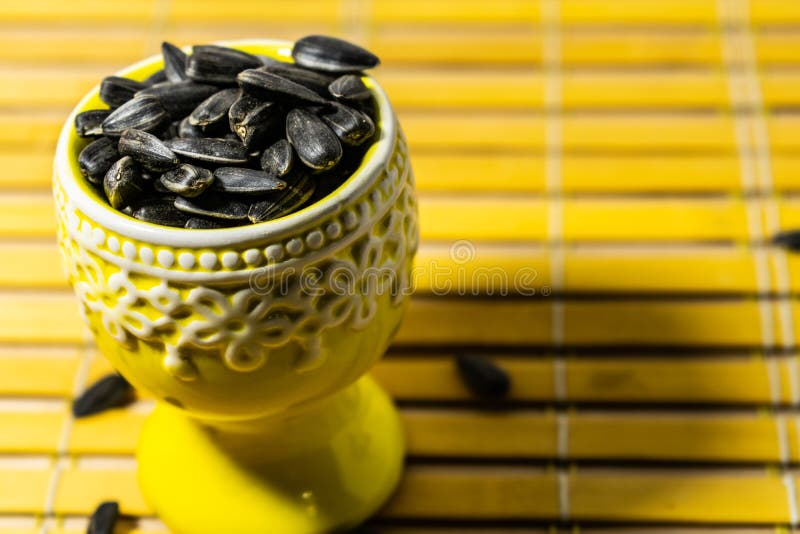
{"x": 239, "y": 327}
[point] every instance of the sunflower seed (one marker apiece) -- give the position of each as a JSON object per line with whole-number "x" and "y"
{"x": 148, "y": 150}
{"x": 123, "y": 182}
{"x": 278, "y": 158}
{"x": 179, "y": 98}
{"x": 187, "y": 180}
{"x": 259, "y": 124}
{"x": 269, "y": 86}
{"x": 219, "y": 151}
{"x": 788, "y": 239}
{"x": 349, "y": 125}
{"x": 239, "y": 180}
{"x": 144, "y": 113}
{"x": 96, "y": 158}
{"x": 198, "y": 223}
{"x": 116, "y": 90}
{"x": 111, "y": 391}
{"x": 349, "y": 88}
{"x": 315, "y": 143}
{"x": 214, "y": 108}
{"x": 315, "y": 81}
{"x": 158, "y": 76}
{"x": 330, "y": 54}
{"x": 186, "y": 130}
{"x": 214, "y": 207}
{"x": 104, "y": 518}
{"x": 174, "y": 62}
{"x": 160, "y": 210}
{"x": 482, "y": 377}
{"x": 297, "y": 192}
{"x": 216, "y": 64}
{"x": 88, "y": 123}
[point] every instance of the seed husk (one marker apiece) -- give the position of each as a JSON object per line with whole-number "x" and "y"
{"x": 239, "y": 180}
{"x": 89, "y": 123}
{"x": 482, "y": 377}
{"x": 349, "y": 88}
{"x": 215, "y": 207}
{"x": 123, "y": 183}
{"x": 269, "y": 86}
{"x": 116, "y": 90}
{"x": 187, "y": 180}
{"x": 174, "y": 62}
{"x": 200, "y": 223}
{"x": 214, "y": 108}
{"x": 111, "y": 391}
{"x": 160, "y": 210}
{"x": 187, "y": 130}
{"x": 278, "y": 158}
{"x": 212, "y": 150}
{"x": 329, "y": 54}
{"x": 316, "y": 81}
{"x": 148, "y": 150}
{"x": 142, "y": 113}
{"x": 259, "y": 124}
{"x": 217, "y": 64}
{"x": 349, "y": 125}
{"x": 96, "y": 158}
{"x": 104, "y": 518}
{"x": 315, "y": 143}
{"x": 179, "y": 98}
{"x": 296, "y": 193}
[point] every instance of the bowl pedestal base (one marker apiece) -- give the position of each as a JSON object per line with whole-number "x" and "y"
{"x": 320, "y": 467}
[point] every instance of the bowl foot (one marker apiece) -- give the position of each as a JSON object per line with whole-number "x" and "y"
{"x": 321, "y": 467}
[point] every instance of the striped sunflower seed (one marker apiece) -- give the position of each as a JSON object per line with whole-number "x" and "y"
{"x": 214, "y": 207}
{"x": 179, "y": 98}
{"x": 214, "y": 108}
{"x": 160, "y": 210}
{"x": 278, "y": 158}
{"x": 329, "y": 54}
{"x": 187, "y": 130}
{"x": 259, "y": 124}
{"x": 116, "y": 90}
{"x": 269, "y": 86}
{"x": 296, "y": 193}
{"x": 142, "y": 113}
{"x": 315, "y": 143}
{"x": 211, "y": 150}
{"x": 349, "y": 88}
{"x": 174, "y": 62}
{"x": 239, "y": 180}
{"x": 349, "y": 125}
{"x": 104, "y": 518}
{"x": 187, "y": 180}
{"x": 111, "y": 391}
{"x": 96, "y": 158}
{"x": 316, "y": 81}
{"x": 148, "y": 150}
{"x": 90, "y": 123}
{"x": 217, "y": 64}
{"x": 200, "y": 223}
{"x": 123, "y": 183}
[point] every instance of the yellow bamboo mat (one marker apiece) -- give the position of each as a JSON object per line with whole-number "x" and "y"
{"x": 599, "y": 181}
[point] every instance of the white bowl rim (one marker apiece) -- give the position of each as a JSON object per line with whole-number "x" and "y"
{"x": 110, "y": 219}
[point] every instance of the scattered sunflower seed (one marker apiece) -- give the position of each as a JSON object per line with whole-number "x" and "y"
{"x": 292, "y": 197}
{"x": 160, "y": 210}
{"x": 482, "y": 377}
{"x": 142, "y": 113}
{"x": 214, "y": 108}
{"x": 111, "y": 391}
{"x": 316, "y": 81}
{"x": 278, "y": 158}
{"x": 187, "y": 180}
{"x": 123, "y": 183}
{"x": 349, "y": 88}
{"x": 219, "y": 151}
{"x": 104, "y": 518}
{"x": 214, "y": 207}
{"x": 148, "y": 150}
{"x": 330, "y": 54}
{"x": 269, "y": 86}
{"x": 239, "y": 180}
{"x": 178, "y": 98}
{"x": 116, "y": 90}
{"x": 96, "y": 158}
{"x": 187, "y": 130}
{"x": 217, "y": 64}
{"x": 174, "y": 62}
{"x": 316, "y": 145}
{"x": 89, "y": 123}
{"x": 349, "y": 125}
{"x": 258, "y": 125}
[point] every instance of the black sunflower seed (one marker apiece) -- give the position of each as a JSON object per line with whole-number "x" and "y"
{"x": 158, "y": 76}
{"x": 215, "y": 207}
{"x": 96, "y": 158}
{"x": 214, "y": 108}
{"x": 330, "y": 54}
{"x": 104, "y": 518}
{"x": 316, "y": 81}
{"x": 482, "y": 377}
{"x": 187, "y": 130}
{"x": 278, "y": 158}
{"x": 259, "y": 124}
{"x": 179, "y": 98}
{"x": 219, "y": 65}
{"x": 123, "y": 183}
{"x": 148, "y": 150}
{"x": 160, "y": 210}
{"x": 174, "y": 62}
{"x": 212, "y": 150}
{"x": 269, "y": 86}
{"x": 238, "y": 180}
{"x": 788, "y": 239}
{"x": 349, "y": 125}
{"x": 187, "y": 180}
{"x": 199, "y": 223}
{"x": 111, "y": 391}
{"x": 349, "y": 88}
{"x": 116, "y": 90}
{"x": 143, "y": 113}
{"x": 315, "y": 143}
{"x": 296, "y": 193}
{"x": 89, "y": 123}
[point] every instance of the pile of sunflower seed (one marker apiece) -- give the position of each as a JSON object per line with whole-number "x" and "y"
{"x": 222, "y": 138}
